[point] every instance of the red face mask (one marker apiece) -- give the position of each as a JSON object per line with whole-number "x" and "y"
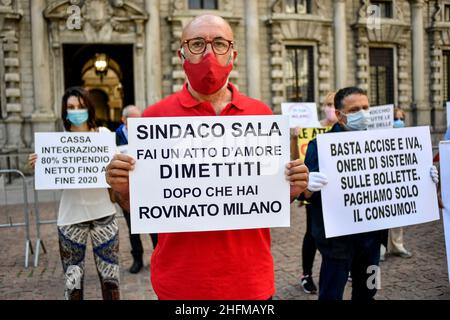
{"x": 208, "y": 76}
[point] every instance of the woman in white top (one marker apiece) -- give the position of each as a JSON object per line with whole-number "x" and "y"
{"x": 86, "y": 211}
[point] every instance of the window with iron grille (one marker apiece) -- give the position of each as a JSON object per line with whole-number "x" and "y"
{"x": 446, "y": 75}
{"x": 204, "y": 4}
{"x": 381, "y": 76}
{"x": 447, "y": 13}
{"x": 299, "y": 74}
{"x": 298, "y": 6}
{"x": 385, "y": 7}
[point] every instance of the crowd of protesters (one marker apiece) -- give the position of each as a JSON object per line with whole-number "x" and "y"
{"x": 191, "y": 265}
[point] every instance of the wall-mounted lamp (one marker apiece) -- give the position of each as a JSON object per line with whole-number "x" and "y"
{"x": 101, "y": 64}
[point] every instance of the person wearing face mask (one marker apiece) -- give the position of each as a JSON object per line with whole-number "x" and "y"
{"x": 329, "y": 111}
{"x": 84, "y": 212}
{"x": 228, "y": 264}
{"x": 351, "y": 253}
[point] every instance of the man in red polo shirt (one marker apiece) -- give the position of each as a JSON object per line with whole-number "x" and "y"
{"x": 233, "y": 264}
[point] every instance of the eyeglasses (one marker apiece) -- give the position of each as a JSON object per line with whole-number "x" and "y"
{"x": 220, "y": 46}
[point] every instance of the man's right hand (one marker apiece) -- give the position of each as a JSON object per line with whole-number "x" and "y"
{"x": 32, "y": 160}
{"x": 117, "y": 173}
{"x": 316, "y": 181}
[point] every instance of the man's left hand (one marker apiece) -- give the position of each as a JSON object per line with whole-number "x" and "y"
{"x": 297, "y": 175}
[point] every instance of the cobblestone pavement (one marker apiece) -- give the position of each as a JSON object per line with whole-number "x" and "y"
{"x": 424, "y": 276}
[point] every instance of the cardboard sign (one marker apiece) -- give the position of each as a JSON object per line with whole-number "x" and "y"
{"x": 448, "y": 113}
{"x": 301, "y": 114}
{"x": 208, "y": 173}
{"x": 376, "y": 180}
{"x": 444, "y": 153}
{"x": 69, "y": 160}
{"x": 382, "y": 117}
{"x": 305, "y": 135}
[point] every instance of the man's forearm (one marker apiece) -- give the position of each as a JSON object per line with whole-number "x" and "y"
{"x": 123, "y": 200}
{"x": 308, "y": 194}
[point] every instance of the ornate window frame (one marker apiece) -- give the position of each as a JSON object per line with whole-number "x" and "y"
{"x": 279, "y": 8}
{"x": 181, "y": 7}
{"x": 217, "y": 1}
{"x": 392, "y": 32}
{"x": 395, "y": 10}
{"x": 394, "y": 47}
{"x": 113, "y": 21}
{"x": 284, "y": 30}
{"x": 315, "y": 54}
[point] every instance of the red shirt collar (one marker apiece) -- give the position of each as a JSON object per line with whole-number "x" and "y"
{"x": 188, "y": 101}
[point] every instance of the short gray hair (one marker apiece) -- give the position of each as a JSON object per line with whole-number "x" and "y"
{"x": 126, "y": 110}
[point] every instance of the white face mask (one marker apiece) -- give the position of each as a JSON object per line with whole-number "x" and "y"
{"x": 330, "y": 114}
{"x": 358, "y": 121}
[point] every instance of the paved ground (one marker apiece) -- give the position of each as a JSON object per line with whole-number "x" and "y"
{"x": 424, "y": 276}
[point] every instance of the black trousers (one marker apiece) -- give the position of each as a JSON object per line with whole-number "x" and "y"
{"x": 363, "y": 264}
{"x": 135, "y": 239}
{"x": 309, "y": 245}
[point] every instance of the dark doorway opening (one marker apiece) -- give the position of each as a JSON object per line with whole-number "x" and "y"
{"x": 100, "y": 100}
{"x": 76, "y": 56}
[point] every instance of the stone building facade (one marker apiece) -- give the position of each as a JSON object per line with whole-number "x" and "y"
{"x": 289, "y": 50}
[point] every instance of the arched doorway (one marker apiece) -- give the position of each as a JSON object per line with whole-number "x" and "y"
{"x": 106, "y": 90}
{"x": 117, "y": 83}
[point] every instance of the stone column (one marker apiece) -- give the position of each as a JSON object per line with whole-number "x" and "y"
{"x": 340, "y": 44}
{"x": 324, "y": 68}
{"x": 13, "y": 94}
{"x": 253, "y": 49}
{"x": 153, "y": 53}
{"x": 362, "y": 57}
{"x": 418, "y": 64}
{"x": 404, "y": 88}
{"x": 178, "y": 75}
{"x": 139, "y": 67}
{"x": 43, "y": 117}
{"x": 437, "y": 103}
{"x": 276, "y": 66}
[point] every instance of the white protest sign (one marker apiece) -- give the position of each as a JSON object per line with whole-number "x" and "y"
{"x": 444, "y": 154}
{"x": 208, "y": 173}
{"x": 376, "y": 180}
{"x": 69, "y": 160}
{"x": 448, "y": 113}
{"x": 301, "y": 114}
{"x": 381, "y": 117}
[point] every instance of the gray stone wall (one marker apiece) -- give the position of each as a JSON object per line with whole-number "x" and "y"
{"x": 264, "y": 37}
{"x": 26, "y": 72}
{"x": 166, "y": 42}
